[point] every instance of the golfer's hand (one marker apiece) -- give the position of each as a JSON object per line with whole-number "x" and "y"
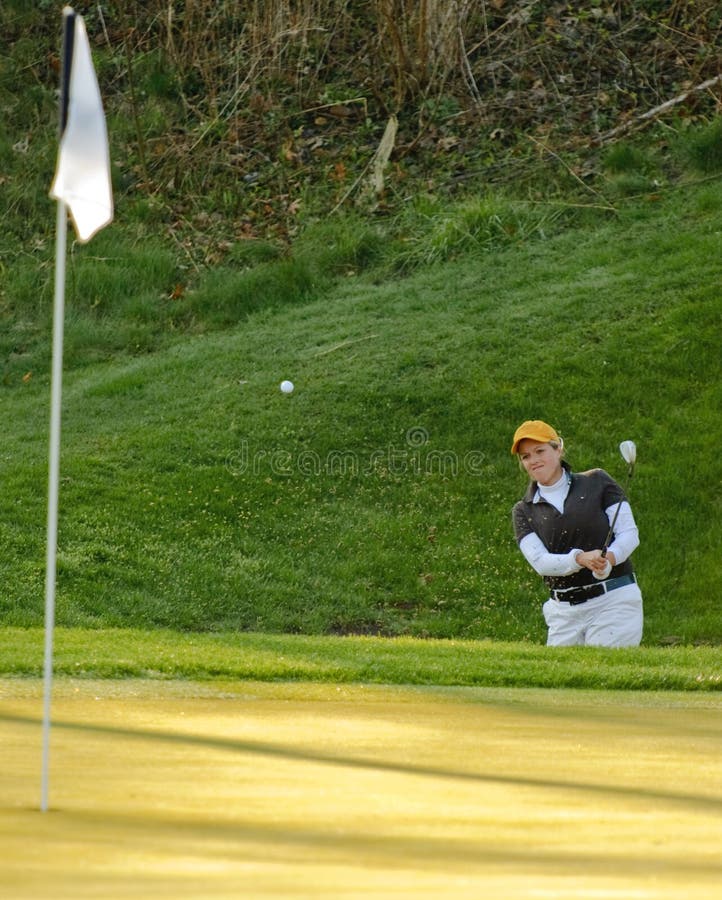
{"x": 594, "y": 561}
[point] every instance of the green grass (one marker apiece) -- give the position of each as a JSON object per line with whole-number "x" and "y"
{"x": 163, "y": 654}
{"x": 703, "y": 148}
{"x": 376, "y": 499}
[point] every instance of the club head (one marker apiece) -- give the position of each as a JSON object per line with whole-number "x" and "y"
{"x": 628, "y": 449}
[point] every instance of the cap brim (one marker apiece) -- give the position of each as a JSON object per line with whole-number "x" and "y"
{"x": 529, "y": 437}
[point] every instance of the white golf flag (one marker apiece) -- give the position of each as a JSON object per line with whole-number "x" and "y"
{"x": 82, "y": 176}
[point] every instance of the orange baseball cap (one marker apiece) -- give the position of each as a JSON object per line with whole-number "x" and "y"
{"x": 535, "y": 430}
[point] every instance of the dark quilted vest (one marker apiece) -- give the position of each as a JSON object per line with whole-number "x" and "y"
{"x": 583, "y": 523}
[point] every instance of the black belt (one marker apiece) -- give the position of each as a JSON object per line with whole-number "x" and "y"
{"x": 577, "y": 595}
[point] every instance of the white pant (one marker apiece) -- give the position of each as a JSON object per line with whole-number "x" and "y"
{"x": 613, "y": 620}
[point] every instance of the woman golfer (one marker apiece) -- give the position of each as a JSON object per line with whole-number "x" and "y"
{"x": 561, "y": 525}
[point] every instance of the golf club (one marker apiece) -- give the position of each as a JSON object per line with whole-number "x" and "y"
{"x": 628, "y": 449}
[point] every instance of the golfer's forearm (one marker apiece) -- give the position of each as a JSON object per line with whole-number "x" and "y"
{"x": 545, "y": 563}
{"x": 623, "y": 546}
{"x": 626, "y": 535}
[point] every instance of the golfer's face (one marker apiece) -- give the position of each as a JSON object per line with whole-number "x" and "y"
{"x": 541, "y": 461}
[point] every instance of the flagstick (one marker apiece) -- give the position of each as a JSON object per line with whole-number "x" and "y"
{"x": 53, "y": 488}
{"x": 82, "y": 186}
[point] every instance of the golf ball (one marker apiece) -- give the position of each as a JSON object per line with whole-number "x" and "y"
{"x": 287, "y": 387}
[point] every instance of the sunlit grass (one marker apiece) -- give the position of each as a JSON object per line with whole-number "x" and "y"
{"x": 247, "y": 788}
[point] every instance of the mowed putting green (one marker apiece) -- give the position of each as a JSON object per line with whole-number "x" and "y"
{"x": 187, "y": 790}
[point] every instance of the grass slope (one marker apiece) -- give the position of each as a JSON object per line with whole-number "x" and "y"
{"x": 376, "y": 498}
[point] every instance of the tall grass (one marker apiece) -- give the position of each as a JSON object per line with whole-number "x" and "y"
{"x": 703, "y": 148}
{"x": 439, "y": 231}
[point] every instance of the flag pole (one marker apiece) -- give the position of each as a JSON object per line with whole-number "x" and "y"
{"x": 55, "y": 408}
{"x": 53, "y": 488}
